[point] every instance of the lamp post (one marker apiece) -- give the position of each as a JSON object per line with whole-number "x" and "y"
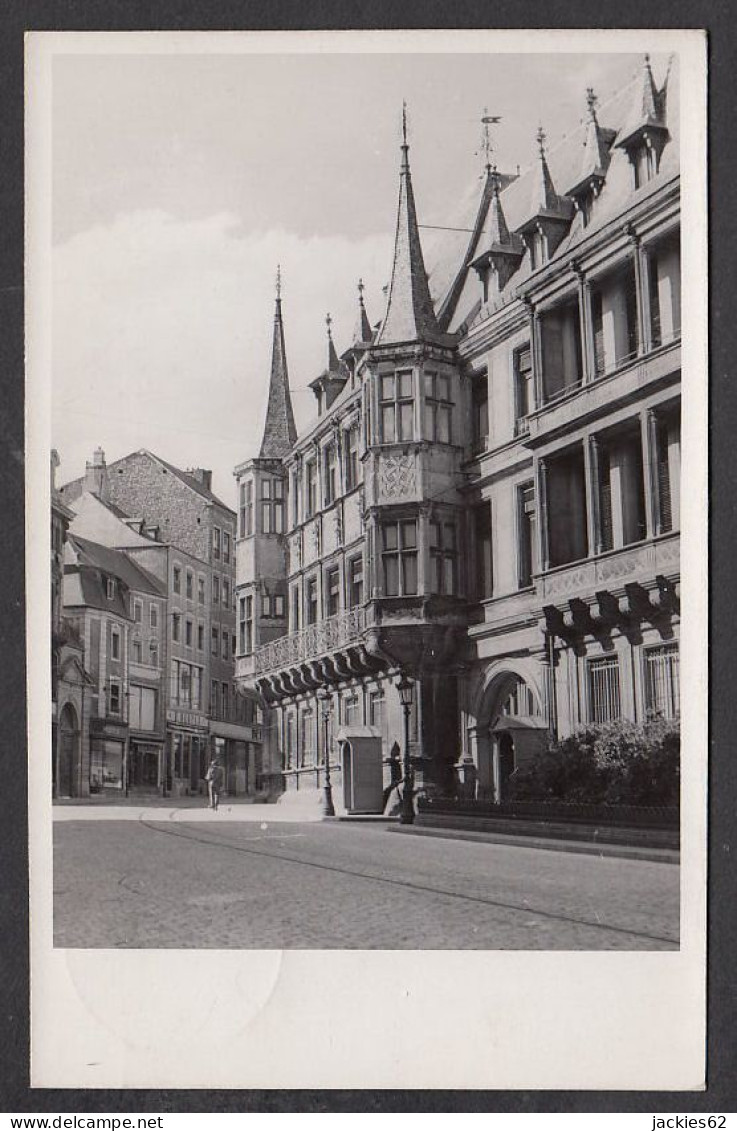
{"x": 328, "y": 809}
{"x": 406, "y": 689}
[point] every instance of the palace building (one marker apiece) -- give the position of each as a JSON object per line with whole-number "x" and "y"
{"x": 487, "y": 502}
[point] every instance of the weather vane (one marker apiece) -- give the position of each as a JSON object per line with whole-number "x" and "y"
{"x": 487, "y": 148}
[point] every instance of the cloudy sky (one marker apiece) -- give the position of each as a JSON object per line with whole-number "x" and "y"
{"x": 179, "y": 182}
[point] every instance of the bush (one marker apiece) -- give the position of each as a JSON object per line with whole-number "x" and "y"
{"x": 611, "y": 764}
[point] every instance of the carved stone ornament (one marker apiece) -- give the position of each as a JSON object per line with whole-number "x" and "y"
{"x": 398, "y": 476}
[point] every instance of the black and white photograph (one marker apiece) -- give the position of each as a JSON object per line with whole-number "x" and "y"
{"x": 358, "y": 422}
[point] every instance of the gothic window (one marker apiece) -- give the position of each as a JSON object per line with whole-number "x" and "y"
{"x": 332, "y": 591}
{"x": 399, "y": 556}
{"x": 311, "y": 487}
{"x": 526, "y": 523}
{"x": 329, "y": 472}
{"x": 443, "y": 563}
{"x": 355, "y": 581}
{"x": 438, "y": 408}
{"x": 396, "y": 406}
{"x": 522, "y": 365}
{"x": 484, "y": 575}
{"x": 311, "y": 600}
{"x": 351, "y": 457}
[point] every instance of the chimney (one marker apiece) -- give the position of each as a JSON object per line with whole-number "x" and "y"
{"x": 203, "y": 476}
{"x": 96, "y": 478}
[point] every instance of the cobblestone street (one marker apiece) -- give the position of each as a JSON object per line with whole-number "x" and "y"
{"x": 137, "y": 883}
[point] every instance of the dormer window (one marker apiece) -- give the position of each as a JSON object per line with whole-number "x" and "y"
{"x": 110, "y": 589}
{"x": 645, "y": 162}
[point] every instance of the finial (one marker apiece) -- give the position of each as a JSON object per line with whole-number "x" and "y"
{"x": 361, "y": 289}
{"x": 278, "y": 281}
{"x": 487, "y": 148}
{"x": 647, "y": 59}
{"x": 328, "y": 323}
{"x": 591, "y": 101}
{"x": 404, "y": 124}
{"x": 541, "y": 138}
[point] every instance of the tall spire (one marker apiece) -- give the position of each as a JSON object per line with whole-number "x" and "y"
{"x": 409, "y": 314}
{"x": 362, "y": 333}
{"x": 280, "y": 432}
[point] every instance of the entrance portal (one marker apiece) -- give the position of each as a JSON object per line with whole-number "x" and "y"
{"x": 68, "y": 752}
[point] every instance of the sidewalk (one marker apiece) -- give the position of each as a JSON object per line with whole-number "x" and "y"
{"x": 187, "y": 809}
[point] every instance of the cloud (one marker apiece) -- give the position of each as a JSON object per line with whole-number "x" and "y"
{"x": 162, "y": 333}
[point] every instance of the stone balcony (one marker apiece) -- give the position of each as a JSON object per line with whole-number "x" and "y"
{"x": 320, "y": 653}
{"x": 639, "y": 582}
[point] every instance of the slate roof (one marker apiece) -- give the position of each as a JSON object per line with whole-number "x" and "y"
{"x": 280, "y": 431}
{"x": 115, "y": 563}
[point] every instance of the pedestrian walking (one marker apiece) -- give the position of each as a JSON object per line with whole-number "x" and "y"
{"x": 214, "y": 779}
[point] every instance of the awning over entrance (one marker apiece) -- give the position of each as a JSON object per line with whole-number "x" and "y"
{"x": 518, "y": 722}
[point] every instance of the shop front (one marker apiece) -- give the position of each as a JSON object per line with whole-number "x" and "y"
{"x": 186, "y": 752}
{"x": 145, "y": 766}
{"x": 229, "y": 742}
{"x": 108, "y": 756}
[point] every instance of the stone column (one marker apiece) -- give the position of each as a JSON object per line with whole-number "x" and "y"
{"x": 588, "y": 359}
{"x": 642, "y": 279}
{"x": 649, "y": 429}
{"x": 593, "y": 517}
{"x": 542, "y": 494}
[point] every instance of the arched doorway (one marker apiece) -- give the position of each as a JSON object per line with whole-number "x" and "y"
{"x": 511, "y": 731}
{"x": 69, "y": 738}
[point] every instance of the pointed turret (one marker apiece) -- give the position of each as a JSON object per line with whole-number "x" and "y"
{"x": 410, "y": 316}
{"x": 502, "y": 250}
{"x": 362, "y": 332}
{"x": 332, "y": 379}
{"x": 595, "y": 158}
{"x": 280, "y": 432}
{"x": 645, "y": 108}
{"x": 549, "y": 215}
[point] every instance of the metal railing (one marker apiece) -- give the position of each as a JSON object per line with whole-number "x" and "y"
{"x": 312, "y": 641}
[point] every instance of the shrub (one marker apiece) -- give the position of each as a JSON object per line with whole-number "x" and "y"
{"x": 618, "y": 763}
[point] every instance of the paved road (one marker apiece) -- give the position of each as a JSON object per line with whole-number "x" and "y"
{"x": 158, "y": 884}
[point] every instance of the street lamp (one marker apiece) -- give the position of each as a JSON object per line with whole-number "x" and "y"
{"x": 406, "y": 689}
{"x": 328, "y": 809}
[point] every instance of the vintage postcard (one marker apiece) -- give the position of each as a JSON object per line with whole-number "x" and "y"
{"x": 367, "y": 384}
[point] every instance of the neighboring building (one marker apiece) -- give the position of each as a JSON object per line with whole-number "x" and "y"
{"x": 171, "y": 524}
{"x": 488, "y": 500}
{"x": 69, "y": 681}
